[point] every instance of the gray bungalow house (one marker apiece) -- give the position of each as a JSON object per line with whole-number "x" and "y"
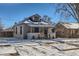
{"x": 33, "y": 27}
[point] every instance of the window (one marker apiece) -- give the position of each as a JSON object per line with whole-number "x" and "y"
{"x": 36, "y": 29}
{"x": 21, "y": 30}
{"x": 53, "y": 30}
{"x": 36, "y": 19}
{"x": 16, "y": 30}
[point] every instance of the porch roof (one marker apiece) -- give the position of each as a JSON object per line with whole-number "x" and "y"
{"x": 39, "y": 25}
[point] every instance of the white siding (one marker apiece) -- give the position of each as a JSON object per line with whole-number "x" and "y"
{"x": 18, "y": 35}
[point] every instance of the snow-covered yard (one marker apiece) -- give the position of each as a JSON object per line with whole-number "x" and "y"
{"x": 53, "y": 47}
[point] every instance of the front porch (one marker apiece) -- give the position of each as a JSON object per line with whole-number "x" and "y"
{"x": 39, "y": 33}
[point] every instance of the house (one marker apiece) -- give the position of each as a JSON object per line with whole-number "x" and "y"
{"x": 33, "y": 27}
{"x": 67, "y": 30}
{"x": 6, "y": 32}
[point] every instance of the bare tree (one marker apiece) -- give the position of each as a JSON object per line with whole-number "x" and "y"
{"x": 47, "y": 19}
{"x": 69, "y": 9}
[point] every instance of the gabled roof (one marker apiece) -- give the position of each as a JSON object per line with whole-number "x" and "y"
{"x": 36, "y": 15}
{"x": 70, "y": 25}
{"x": 40, "y": 23}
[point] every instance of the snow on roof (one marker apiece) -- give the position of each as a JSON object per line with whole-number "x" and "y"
{"x": 37, "y": 24}
{"x": 8, "y": 29}
{"x": 31, "y": 22}
{"x": 71, "y": 25}
{"x": 26, "y": 22}
{"x": 40, "y": 25}
{"x": 44, "y": 23}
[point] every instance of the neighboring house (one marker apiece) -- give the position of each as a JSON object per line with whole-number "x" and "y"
{"x": 6, "y": 32}
{"x": 33, "y": 27}
{"x": 67, "y": 30}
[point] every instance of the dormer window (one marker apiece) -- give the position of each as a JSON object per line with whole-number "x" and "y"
{"x": 35, "y": 18}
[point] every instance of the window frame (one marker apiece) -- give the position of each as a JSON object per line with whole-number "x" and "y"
{"x": 21, "y": 30}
